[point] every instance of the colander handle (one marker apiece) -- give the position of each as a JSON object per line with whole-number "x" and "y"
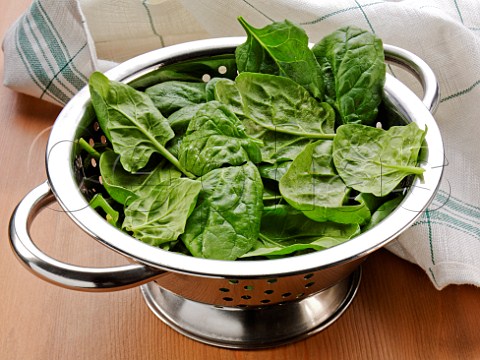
{"x": 57, "y": 272}
{"x": 420, "y": 69}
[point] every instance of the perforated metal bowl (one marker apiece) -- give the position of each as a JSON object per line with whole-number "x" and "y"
{"x": 235, "y": 304}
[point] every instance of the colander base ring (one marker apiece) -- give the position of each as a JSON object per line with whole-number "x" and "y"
{"x": 252, "y": 328}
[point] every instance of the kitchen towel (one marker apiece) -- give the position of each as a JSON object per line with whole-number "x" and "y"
{"x": 54, "y": 46}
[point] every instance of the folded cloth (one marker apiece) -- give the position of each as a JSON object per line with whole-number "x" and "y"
{"x": 51, "y": 50}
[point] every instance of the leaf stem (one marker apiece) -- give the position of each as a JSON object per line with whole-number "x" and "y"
{"x": 161, "y": 149}
{"x": 272, "y": 197}
{"x": 98, "y": 201}
{"x": 88, "y": 148}
{"x": 267, "y": 240}
{"x": 174, "y": 161}
{"x": 416, "y": 170}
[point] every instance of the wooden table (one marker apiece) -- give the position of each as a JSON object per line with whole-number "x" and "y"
{"x": 397, "y": 313}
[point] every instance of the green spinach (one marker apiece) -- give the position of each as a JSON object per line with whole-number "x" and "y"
{"x": 124, "y": 186}
{"x": 285, "y": 230}
{"x": 280, "y": 48}
{"x": 159, "y": 214}
{"x": 131, "y": 122}
{"x": 279, "y": 104}
{"x": 226, "y": 221}
{"x": 383, "y": 211}
{"x": 216, "y": 137}
{"x": 279, "y": 147}
{"x": 181, "y": 118}
{"x": 274, "y": 171}
{"x": 225, "y": 91}
{"x": 312, "y": 186}
{"x": 373, "y": 160}
{"x": 120, "y": 184}
{"x": 171, "y": 96}
{"x": 223, "y": 65}
{"x": 353, "y": 68}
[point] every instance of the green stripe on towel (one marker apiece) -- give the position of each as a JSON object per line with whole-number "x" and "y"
{"x": 35, "y": 68}
{"x": 54, "y": 73}
{"x": 55, "y": 47}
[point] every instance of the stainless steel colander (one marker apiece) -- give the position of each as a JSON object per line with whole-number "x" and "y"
{"x": 234, "y": 304}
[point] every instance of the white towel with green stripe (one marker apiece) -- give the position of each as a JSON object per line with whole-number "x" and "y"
{"x": 52, "y": 49}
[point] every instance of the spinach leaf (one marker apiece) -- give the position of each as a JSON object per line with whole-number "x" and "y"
{"x": 274, "y": 171}
{"x": 216, "y": 137}
{"x": 226, "y": 221}
{"x": 279, "y": 104}
{"x": 179, "y": 122}
{"x": 280, "y": 147}
{"x": 223, "y": 65}
{"x": 371, "y": 201}
{"x": 227, "y": 93}
{"x": 285, "y": 230}
{"x": 383, "y": 211}
{"x": 210, "y": 87}
{"x": 280, "y": 48}
{"x": 253, "y": 129}
{"x": 131, "y": 122}
{"x": 120, "y": 184}
{"x": 159, "y": 214}
{"x": 353, "y": 66}
{"x": 373, "y": 160}
{"x": 173, "y": 146}
{"x": 171, "y": 96}
{"x": 181, "y": 118}
{"x": 312, "y": 186}
{"x": 123, "y": 186}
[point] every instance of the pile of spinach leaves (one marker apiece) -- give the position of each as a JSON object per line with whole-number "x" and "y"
{"x": 281, "y": 159}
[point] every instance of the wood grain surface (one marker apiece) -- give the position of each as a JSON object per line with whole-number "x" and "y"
{"x": 397, "y": 313}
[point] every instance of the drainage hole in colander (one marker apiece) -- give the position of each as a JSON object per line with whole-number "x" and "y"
{"x": 93, "y": 162}
{"x": 248, "y": 287}
{"x": 299, "y": 295}
{"x": 206, "y": 78}
{"x": 268, "y": 292}
{"x": 222, "y": 69}
{"x": 233, "y": 281}
{"x": 308, "y": 276}
{"x": 265, "y": 301}
{"x": 310, "y": 284}
{"x": 286, "y": 295}
{"x": 271, "y": 281}
{"x": 246, "y": 297}
{"x": 227, "y": 299}
{"x": 242, "y": 306}
{"x": 224, "y": 290}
